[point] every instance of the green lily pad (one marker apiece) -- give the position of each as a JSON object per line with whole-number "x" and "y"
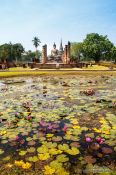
{"x": 62, "y": 158}
{"x": 33, "y": 159}
{"x": 22, "y": 153}
{"x": 1, "y": 151}
{"x": 31, "y": 150}
{"x": 6, "y": 158}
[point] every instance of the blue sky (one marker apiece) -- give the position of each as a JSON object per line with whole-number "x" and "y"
{"x": 51, "y": 20}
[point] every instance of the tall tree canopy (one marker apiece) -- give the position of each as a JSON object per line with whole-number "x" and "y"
{"x": 113, "y": 54}
{"x": 29, "y": 55}
{"x": 11, "y": 52}
{"x": 76, "y": 50}
{"x": 96, "y": 46}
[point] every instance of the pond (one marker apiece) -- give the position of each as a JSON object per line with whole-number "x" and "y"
{"x": 58, "y": 125}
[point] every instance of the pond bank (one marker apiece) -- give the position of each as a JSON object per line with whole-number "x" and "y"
{"x": 5, "y": 74}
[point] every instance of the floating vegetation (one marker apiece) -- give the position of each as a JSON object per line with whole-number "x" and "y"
{"x": 57, "y": 125}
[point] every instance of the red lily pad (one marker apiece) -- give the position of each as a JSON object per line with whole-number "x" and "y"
{"x": 94, "y": 146}
{"x": 40, "y": 134}
{"x": 100, "y": 155}
{"x": 12, "y": 144}
{"x": 31, "y": 143}
{"x": 75, "y": 144}
{"x": 25, "y": 134}
{"x": 90, "y": 159}
{"x": 107, "y": 150}
{"x": 57, "y": 138}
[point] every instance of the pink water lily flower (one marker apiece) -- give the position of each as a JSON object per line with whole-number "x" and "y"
{"x": 29, "y": 117}
{"x": 101, "y": 142}
{"x": 42, "y": 123}
{"x": 99, "y": 139}
{"x": 88, "y": 139}
{"x": 65, "y": 128}
{"x": 50, "y": 126}
{"x": 17, "y": 138}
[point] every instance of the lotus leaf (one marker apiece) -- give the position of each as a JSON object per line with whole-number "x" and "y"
{"x": 43, "y": 149}
{"x": 61, "y": 171}
{"x": 90, "y": 159}
{"x": 29, "y": 139}
{"x": 55, "y": 164}
{"x": 57, "y": 138}
{"x": 31, "y": 143}
{"x": 50, "y": 144}
{"x": 48, "y": 170}
{"x": 75, "y": 144}
{"x": 63, "y": 147}
{"x": 26, "y": 165}
{"x": 22, "y": 153}
{"x": 44, "y": 156}
{"x": 62, "y": 158}
{"x": 33, "y": 159}
{"x": 49, "y": 135}
{"x": 1, "y": 151}
{"x": 54, "y": 151}
{"x": 4, "y": 141}
{"x": 72, "y": 151}
{"x": 106, "y": 150}
{"x": 6, "y": 158}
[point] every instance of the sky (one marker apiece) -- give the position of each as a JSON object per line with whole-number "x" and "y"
{"x": 51, "y": 20}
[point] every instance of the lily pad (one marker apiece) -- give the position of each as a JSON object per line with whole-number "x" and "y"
{"x": 57, "y": 138}
{"x": 31, "y": 143}
{"x": 1, "y": 151}
{"x": 22, "y": 153}
{"x": 90, "y": 159}
{"x": 107, "y": 150}
{"x": 33, "y": 159}
{"x": 31, "y": 150}
{"x": 62, "y": 158}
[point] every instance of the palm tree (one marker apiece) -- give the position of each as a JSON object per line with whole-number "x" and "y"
{"x": 36, "y": 42}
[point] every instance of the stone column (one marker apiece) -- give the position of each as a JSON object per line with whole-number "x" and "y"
{"x": 68, "y": 52}
{"x": 44, "y": 54}
{"x": 65, "y": 54}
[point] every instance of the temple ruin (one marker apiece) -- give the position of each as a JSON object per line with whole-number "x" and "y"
{"x": 61, "y": 56}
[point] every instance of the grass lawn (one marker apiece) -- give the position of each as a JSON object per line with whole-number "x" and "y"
{"x": 19, "y": 71}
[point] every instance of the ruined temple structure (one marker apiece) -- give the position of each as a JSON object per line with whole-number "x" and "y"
{"x": 61, "y": 56}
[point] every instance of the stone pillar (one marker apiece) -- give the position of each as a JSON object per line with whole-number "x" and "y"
{"x": 68, "y": 52}
{"x": 44, "y": 54}
{"x": 65, "y": 54}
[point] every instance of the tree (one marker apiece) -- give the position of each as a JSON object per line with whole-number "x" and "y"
{"x": 96, "y": 46}
{"x": 11, "y": 52}
{"x": 18, "y": 50}
{"x": 36, "y": 42}
{"x": 29, "y": 55}
{"x": 76, "y": 51}
{"x": 113, "y": 54}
